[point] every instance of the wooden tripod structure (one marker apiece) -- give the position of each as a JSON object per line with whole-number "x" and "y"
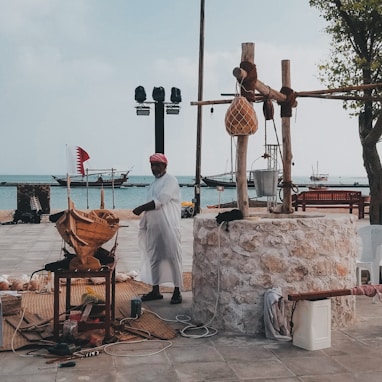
{"x": 286, "y": 98}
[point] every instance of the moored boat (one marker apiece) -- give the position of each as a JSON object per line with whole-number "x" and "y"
{"x": 98, "y": 179}
{"x": 318, "y": 177}
{"x": 253, "y": 203}
{"x": 226, "y": 180}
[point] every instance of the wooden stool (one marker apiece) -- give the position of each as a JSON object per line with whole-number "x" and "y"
{"x": 108, "y": 272}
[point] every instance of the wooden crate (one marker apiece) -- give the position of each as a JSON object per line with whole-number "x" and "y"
{"x": 11, "y": 304}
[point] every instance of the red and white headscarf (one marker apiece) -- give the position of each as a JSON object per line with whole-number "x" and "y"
{"x": 158, "y": 158}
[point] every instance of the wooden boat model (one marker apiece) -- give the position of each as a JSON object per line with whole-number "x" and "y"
{"x": 85, "y": 232}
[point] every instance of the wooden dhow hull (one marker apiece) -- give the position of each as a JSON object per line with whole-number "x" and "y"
{"x": 85, "y": 232}
{"x": 105, "y": 183}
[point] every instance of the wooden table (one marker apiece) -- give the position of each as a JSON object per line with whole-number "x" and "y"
{"x": 108, "y": 272}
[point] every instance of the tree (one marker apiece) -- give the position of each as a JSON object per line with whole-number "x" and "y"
{"x": 356, "y": 59}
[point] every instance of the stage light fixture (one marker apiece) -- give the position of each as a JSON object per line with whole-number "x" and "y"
{"x": 176, "y": 96}
{"x": 158, "y": 94}
{"x": 172, "y": 109}
{"x": 143, "y": 110}
{"x": 140, "y": 94}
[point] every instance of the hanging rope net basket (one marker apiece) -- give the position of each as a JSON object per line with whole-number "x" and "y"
{"x": 240, "y": 118}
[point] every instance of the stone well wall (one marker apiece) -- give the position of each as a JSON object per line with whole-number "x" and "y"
{"x": 297, "y": 253}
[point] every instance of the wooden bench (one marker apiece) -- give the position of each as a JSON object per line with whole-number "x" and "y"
{"x": 331, "y": 199}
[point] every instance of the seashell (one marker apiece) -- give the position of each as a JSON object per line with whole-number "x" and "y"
{"x": 4, "y": 285}
{"x": 18, "y": 285}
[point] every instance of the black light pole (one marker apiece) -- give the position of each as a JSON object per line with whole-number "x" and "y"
{"x": 159, "y": 127}
{"x": 158, "y": 97}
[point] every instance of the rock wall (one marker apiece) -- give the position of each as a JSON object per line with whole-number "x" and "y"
{"x": 297, "y": 253}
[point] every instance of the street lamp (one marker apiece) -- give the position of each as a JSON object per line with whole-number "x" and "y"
{"x": 172, "y": 107}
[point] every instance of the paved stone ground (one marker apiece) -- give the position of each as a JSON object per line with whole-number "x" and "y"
{"x": 354, "y": 354}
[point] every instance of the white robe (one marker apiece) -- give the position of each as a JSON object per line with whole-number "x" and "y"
{"x": 159, "y": 234}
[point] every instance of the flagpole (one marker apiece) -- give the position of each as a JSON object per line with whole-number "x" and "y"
{"x": 67, "y": 177}
{"x": 87, "y": 188}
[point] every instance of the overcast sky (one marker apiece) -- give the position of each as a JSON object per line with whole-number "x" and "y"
{"x": 68, "y": 71}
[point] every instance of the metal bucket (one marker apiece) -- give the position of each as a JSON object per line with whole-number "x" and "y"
{"x": 265, "y": 182}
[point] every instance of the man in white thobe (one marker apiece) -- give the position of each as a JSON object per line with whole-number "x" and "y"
{"x": 159, "y": 232}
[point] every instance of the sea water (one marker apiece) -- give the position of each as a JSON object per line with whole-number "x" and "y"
{"x": 128, "y": 197}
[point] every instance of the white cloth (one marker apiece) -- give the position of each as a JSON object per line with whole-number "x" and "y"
{"x": 159, "y": 234}
{"x": 276, "y": 327}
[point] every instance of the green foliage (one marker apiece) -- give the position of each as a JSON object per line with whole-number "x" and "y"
{"x": 355, "y": 27}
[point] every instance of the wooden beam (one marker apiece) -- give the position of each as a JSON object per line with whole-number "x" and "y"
{"x": 213, "y": 102}
{"x": 261, "y": 98}
{"x": 341, "y": 97}
{"x": 344, "y": 89}
{"x": 265, "y": 90}
{"x": 319, "y": 295}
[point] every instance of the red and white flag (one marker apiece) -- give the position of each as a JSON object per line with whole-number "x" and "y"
{"x": 76, "y": 157}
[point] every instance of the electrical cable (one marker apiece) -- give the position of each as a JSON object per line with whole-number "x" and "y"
{"x": 107, "y": 351}
{"x": 185, "y": 319}
{"x": 14, "y": 335}
{"x": 208, "y": 331}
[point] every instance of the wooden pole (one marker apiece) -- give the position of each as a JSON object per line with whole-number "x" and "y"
{"x": 247, "y": 54}
{"x": 287, "y": 147}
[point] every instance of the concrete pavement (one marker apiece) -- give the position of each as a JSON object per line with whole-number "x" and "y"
{"x": 354, "y": 354}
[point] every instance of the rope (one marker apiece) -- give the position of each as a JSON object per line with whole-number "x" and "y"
{"x": 269, "y": 115}
{"x": 249, "y": 82}
{"x": 291, "y": 185}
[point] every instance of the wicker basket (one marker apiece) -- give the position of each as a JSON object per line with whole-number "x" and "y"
{"x": 240, "y": 118}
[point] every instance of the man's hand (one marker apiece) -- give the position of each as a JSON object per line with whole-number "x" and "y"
{"x": 144, "y": 207}
{"x": 138, "y": 210}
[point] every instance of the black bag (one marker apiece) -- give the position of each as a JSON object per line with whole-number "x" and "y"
{"x": 228, "y": 216}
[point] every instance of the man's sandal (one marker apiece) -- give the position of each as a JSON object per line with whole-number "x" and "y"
{"x": 151, "y": 296}
{"x": 176, "y": 299}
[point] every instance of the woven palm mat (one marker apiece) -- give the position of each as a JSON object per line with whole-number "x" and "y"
{"x": 39, "y": 308}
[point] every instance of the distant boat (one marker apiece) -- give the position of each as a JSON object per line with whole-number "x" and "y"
{"x": 317, "y": 177}
{"x": 318, "y": 187}
{"x": 226, "y": 180}
{"x": 253, "y": 203}
{"x": 95, "y": 179}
